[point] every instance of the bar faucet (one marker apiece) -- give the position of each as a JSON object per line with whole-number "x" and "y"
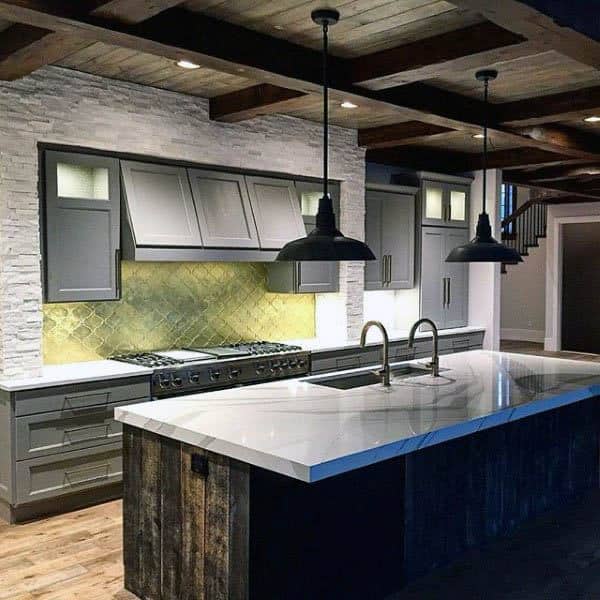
{"x": 434, "y": 365}
{"x": 385, "y": 371}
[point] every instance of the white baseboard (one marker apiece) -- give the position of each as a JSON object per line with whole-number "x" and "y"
{"x": 523, "y": 335}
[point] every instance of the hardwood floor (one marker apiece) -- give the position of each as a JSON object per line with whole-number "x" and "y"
{"x": 534, "y": 348}
{"x": 78, "y": 556}
{"x": 75, "y": 556}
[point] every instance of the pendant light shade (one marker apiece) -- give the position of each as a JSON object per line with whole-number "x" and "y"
{"x": 326, "y": 242}
{"x": 483, "y": 247}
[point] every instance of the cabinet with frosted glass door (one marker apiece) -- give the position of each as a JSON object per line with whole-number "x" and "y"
{"x": 444, "y": 203}
{"x": 308, "y": 276}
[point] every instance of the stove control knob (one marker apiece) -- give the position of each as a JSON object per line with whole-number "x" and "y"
{"x": 284, "y": 364}
{"x": 215, "y": 374}
{"x": 301, "y": 362}
{"x": 293, "y": 363}
{"x": 234, "y": 373}
{"x": 177, "y": 381}
{"x": 260, "y": 369}
{"x": 194, "y": 377}
{"x": 164, "y": 381}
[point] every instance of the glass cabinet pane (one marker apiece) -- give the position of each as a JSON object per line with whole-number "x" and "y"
{"x": 434, "y": 202}
{"x": 80, "y": 181}
{"x": 458, "y": 205}
{"x": 309, "y": 203}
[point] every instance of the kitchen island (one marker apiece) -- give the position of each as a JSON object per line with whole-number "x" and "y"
{"x": 296, "y": 489}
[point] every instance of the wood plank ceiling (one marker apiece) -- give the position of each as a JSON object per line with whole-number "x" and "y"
{"x": 408, "y": 65}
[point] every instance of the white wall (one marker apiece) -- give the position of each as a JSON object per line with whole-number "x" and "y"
{"x": 66, "y": 107}
{"x": 557, "y": 216}
{"x": 484, "y": 278}
{"x": 524, "y": 293}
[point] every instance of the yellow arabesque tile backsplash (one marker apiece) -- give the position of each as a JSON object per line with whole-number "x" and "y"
{"x": 170, "y": 305}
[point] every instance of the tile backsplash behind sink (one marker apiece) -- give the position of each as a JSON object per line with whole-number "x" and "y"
{"x": 169, "y": 305}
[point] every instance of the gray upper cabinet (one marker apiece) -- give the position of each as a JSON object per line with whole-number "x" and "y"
{"x": 308, "y": 276}
{"x": 390, "y": 233}
{"x": 160, "y": 205}
{"x": 82, "y": 227}
{"x": 444, "y": 203}
{"x": 444, "y": 286}
{"x": 276, "y": 211}
{"x": 223, "y": 208}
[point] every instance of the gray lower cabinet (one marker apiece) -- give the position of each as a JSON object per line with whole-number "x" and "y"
{"x": 276, "y": 211}
{"x": 323, "y": 361}
{"x": 223, "y": 208}
{"x": 444, "y": 286}
{"x": 60, "y": 441}
{"x": 81, "y": 231}
{"x": 390, "y": 233}
{"x": 160, "y": 207}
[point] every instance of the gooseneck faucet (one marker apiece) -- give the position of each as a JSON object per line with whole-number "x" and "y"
{"x": 385, "y": 371}
{"x": 435, "y": 359}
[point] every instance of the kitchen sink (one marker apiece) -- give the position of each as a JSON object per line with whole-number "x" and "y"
{"x": 349, "y": 381}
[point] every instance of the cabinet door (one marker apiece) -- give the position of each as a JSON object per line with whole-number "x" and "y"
{"x": 457, "y": 213}
{"x": 434, "y": 204}
{"x": 276, "y": 211}
{"x": 160, "y": 205}
{"x": 375, "y": 277}
{"x": 398, "y": 239}
{"x": 457, "y": 290}
{"x": 433, "y": 272}
{"x": 223, "y": 208}
{"x": 316, "y": 276}
{"x": 82, "y": 227}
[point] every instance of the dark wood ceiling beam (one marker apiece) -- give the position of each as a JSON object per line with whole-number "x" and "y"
{"x": 565, "y": 106}
{"x": 25, "y": 48}
{"x": 534, "y": 25}
{"x": 460, "y": 162}
{"x": 559, "y": 172}
{"x": 569, "y": 187}
{"x": 571, "y": 142}
{"x": 399, "y": 134}
{"x": 471, "y": 47}
{"x": 252, "y": 102}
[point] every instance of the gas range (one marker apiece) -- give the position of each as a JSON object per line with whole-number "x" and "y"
{"x": 192, "y": 370}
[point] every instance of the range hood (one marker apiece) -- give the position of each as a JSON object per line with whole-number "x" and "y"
{"x": 173, "y": 213}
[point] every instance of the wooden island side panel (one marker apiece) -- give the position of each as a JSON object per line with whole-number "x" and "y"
{"x": 185, "y": 533}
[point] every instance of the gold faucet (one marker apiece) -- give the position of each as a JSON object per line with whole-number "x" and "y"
{"x": 434, "y": 365}
{"x": 385, "y": 371}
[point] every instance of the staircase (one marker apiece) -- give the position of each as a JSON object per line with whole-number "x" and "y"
{"x": 525, "y": 227}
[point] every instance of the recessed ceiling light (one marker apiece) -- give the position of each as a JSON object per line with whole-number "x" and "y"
{"x": 278, "y": 27}
{"x": 478, "y": 136}
{"x": 187, "y": 64}
{"x": 593, "y": 119}
{"x": 348, "y": 104}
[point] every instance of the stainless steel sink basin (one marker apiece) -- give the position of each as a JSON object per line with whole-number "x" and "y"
{"x": 349, "y": 381}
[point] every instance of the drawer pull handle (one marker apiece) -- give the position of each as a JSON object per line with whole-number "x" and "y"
{"x": 69, "y": 434}
{"x": 73, "y": 402}
{"x": 78, "y": 476}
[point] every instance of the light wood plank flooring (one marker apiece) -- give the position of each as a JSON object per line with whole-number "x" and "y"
{"x": 77, "y": 556}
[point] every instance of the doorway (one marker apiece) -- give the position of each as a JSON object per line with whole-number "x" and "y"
{"x": 580, "y": 326}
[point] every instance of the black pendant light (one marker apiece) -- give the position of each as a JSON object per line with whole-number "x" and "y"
{"x": 483, "y": 247}
{"x": 325, "y": 242}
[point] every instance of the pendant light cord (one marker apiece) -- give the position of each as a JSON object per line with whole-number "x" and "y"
{"x": 485, "y": 141}
{"x": 325, "y": 113}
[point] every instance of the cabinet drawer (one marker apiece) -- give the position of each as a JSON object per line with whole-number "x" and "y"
{"x": 72, "y": 397}
{"x": 49, "y": 476}
{"x": 344, "y": 359}
{"x": 44, "y": 434}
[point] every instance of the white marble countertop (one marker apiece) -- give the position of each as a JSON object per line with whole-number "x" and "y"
{"x": 373, "y": 337}
{"x": 93, "y": 370}
{"x": 311, "y": 432}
